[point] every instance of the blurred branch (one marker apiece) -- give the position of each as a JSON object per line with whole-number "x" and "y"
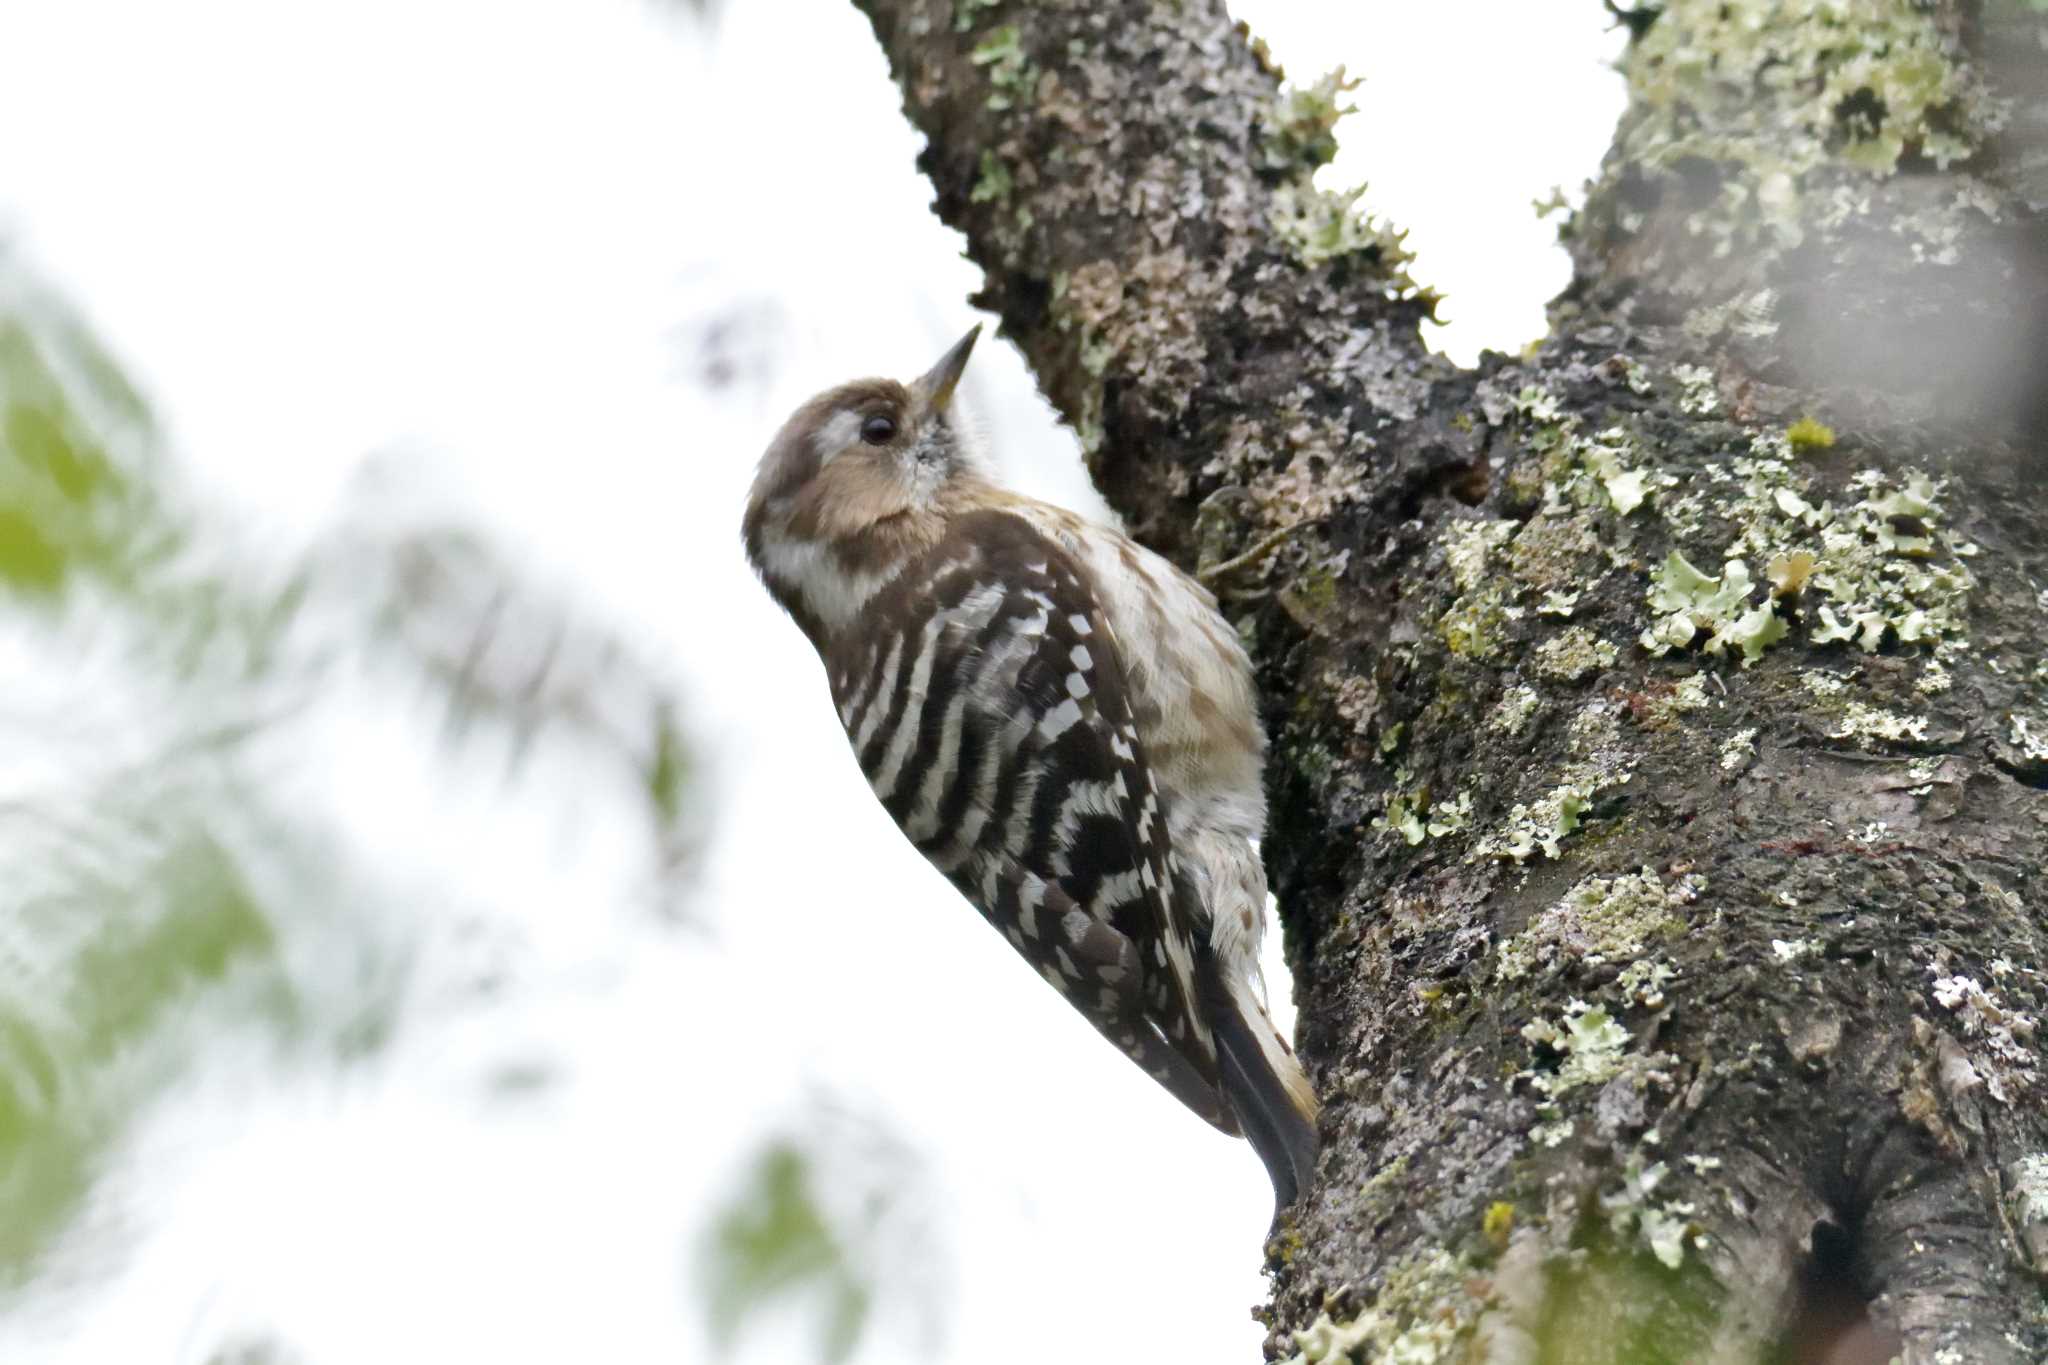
{"x": 512, "y": 657}
{"x": 109, "y": 928}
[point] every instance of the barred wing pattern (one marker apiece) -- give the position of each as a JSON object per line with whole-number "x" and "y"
{"x": 989, "y": 709}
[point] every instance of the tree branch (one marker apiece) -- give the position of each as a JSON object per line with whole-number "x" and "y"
{"x": 1617, "y": 957}
{"x": 1135, "y": 186}
{"x": 1781, "y": 185}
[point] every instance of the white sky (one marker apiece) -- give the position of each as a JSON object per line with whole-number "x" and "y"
{"x": 469, "y": 232}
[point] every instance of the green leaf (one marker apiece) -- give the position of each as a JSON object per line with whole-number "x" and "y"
{"x": 772, "y": 1243}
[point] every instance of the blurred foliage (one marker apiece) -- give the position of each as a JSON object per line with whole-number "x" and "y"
{"x": 773, "y": 1242}
{"x": 517, "y": 661}
{"x": 66, "y": 508}
{"x": 156, "y": 896}
{"x": 830, "y": 1217}
{"x": 108, "y": 930}
{"x": 116, "y": 899}
{"x": 163, "y": 894}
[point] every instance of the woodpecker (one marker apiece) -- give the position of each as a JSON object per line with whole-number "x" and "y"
{"x": 1059, "y": 720}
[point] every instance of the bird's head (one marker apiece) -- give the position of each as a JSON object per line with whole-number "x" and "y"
{"x": 856, "y": 483}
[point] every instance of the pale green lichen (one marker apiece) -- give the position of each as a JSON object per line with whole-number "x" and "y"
{"x": 1599, "y": 471}
{"x": 1402, "y": 819}
{"x": 1302, "y": 132}
{"x": 1312, "y": 598}
{"x": 1385, "y": 1178}
{"x": 1887, "y": 565}
{"x": 1329, "y": 1342}
{"x": 1090, "y": 299}
{"x": 1572, "y": 654}
{"x": 993, "y": 185}
{"x": 1469, "y": 547}
{"x": 1540, "y": 827}
{"x": 1427, "y": 1307}
{"x": 1790, "y": 950}
{"x": 1664, "y": 1226}
{"x": 2030, "y": 737}
{"x": 1451, "y": 818}
{"x": 1664, "y": 712}
{"x": 1789, "y": 573}
{"x": 1010, "y": 72}
{"x": 1588, "y": 1040}
{"x": 1691, "y": 694}
{"x": 1320, "y": 226}
{"x": 1607, "y": 456}
{"x": 1861, "y": 721}
{"x": 1557, "y": 548}
{"x": 1781, "y": 91}
{"x": 1698, "y": 394}
{"x": 1404, "y": 816}
{"x": 1541, "y": 406}
{"x": 2030, "y": 1189}
{"x": 1392, "y": 737}
{"x": 1688, "y": 602}
{"x": 1738, "y": 749}
{"x": 1935, "y": 231}
{"x": 1583, "y": 478}
{"x": 1599, "y": 920}
{"x": 1513, "y": 710}
{"x": 1643, "y": 982}
{"x": 1595, "y": 727}
{"x": 967, "y": 13}
{"x": 1471, "y": 627}
{"x": 1823, "y": 684}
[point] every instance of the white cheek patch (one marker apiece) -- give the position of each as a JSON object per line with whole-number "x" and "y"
{"x": 835, "y": 596}
{"x": 840, "y": 431}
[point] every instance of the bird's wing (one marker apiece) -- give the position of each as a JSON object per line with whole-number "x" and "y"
{"x": 989, "y": 707}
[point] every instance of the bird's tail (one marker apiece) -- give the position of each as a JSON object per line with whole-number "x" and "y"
{"x": 1266, "y": 1087}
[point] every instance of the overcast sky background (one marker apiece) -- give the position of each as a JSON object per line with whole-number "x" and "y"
{"x": 476, "y": 247}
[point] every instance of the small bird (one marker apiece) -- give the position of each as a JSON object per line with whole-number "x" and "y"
{"x": 1059, "y": 720}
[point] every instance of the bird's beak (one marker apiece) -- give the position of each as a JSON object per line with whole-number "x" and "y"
{"x": 936, "y": 386}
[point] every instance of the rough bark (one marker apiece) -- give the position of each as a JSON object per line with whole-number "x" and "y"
{"x": 1669, "y": 935}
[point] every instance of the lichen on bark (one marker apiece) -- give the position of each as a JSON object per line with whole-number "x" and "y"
{"x": 1660, "y": 762}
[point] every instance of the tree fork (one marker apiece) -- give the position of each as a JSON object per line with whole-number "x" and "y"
{"x": 1661, "y": 728}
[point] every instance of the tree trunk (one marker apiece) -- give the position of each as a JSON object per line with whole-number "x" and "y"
{"x": 1660, "y": 722}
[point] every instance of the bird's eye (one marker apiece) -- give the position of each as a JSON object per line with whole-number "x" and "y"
{"x": 877, "y": 431}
